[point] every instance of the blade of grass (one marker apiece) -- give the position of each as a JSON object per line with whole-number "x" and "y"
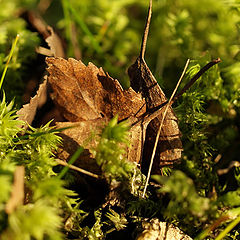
{"x": 8, "y": 60}
{"x": 85, "y": 29}
{"x": 71, "y": 161}
{"x": 228, "y": 228}
{"x": 68, "y": 26}
{"x": 213, "y": 226}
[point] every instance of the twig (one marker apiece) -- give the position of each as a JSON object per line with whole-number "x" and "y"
{"x": 61, "y": 162}
{"x": 146, "y": 31}
{"x": 161, "y": 124}
{"x": 226, "y": 170}
{"x": 154, "y": 112}
{"x": 196, "y": 77}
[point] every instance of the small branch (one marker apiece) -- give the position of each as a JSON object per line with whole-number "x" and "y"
{"x": 196, "y": 77}
{"x": 154, "y": 112}
{"x": 77, "y": 169}
{"x": 146, "y": 31}
{"x": 226, "y": 170}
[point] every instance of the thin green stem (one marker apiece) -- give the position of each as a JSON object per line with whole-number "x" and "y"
{"x": 228, "y": 228}
{"x": 213, "y": 226}
{"x": 71, "y": 161}
{"x": 85, "y": 29}
{"x": 68, "y": 26}
{"x": 8, "y": 60}
{"x": 203, "y": 234}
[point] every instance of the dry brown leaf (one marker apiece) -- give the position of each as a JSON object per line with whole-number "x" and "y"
{"x": 38, "y": 23}
{"x": 52, "y": 39}
{"x": 55, "y": 44}
{"x": 79, "y": 134}
{"x": 89, "y": 98}
{"x": 28, "y": 111}
{"x": 17, "y": 195}
{"x": 87, "y": 92}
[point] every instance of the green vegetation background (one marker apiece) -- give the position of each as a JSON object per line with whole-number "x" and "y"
{"x": 108, "y": 33}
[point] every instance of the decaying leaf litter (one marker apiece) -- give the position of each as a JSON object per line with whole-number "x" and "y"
{"x": 88, "y": 95}
{"x": 88, "y": 98}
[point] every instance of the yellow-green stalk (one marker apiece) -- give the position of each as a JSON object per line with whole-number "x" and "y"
{"x": 8, "y": 60}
